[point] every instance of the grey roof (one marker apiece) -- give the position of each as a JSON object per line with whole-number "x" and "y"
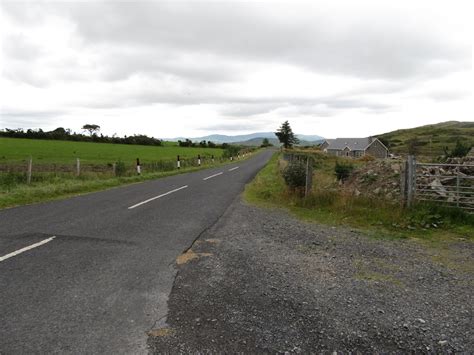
{"x": 352, "y": 143}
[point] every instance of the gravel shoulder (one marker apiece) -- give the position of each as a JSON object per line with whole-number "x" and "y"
{"x": 261, "y": 281}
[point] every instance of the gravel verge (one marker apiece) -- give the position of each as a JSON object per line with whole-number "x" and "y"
{"x": 261, "y": 281}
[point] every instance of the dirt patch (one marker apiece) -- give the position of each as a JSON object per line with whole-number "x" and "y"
{"x": 188, "y": 256}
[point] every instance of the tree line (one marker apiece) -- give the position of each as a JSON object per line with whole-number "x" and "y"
{"x": 67, "y": 135}
{"x": 93, "y": 135}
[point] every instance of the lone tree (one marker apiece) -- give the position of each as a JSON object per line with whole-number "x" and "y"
{"x": 92, "y": 128}
{"x": 286, "y": 136}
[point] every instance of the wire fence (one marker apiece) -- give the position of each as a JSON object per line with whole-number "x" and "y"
{"x": 29, "y": 171}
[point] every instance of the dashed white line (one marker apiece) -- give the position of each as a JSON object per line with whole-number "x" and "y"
{"x": 22, "y": 250}
{"x": 210, "y": 177}
{"x": 232, "y": 169}
{"x": 156, "y": 197}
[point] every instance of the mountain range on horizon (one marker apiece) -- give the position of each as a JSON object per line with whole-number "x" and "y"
{"x": 221, "y": 138}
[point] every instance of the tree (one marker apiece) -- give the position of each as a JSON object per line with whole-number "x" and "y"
{"x": 266, "y": 143}
{"x": 92, "y": 128}
{"x": 286, "y": 136}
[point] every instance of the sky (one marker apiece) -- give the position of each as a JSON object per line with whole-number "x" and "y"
{"x": 191, "y": 68}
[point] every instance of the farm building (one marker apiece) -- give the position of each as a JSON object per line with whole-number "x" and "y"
{"x": 355, "y": 147}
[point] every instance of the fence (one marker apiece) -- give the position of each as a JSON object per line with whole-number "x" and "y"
{"x": 449, "y": 184}
{"x": 30, "y": 171}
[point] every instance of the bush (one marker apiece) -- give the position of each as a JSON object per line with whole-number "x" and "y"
{"x": 366, "y": 158}
{"x": 295, "y": 174}
{"x": 231, "y": 151}
{"x": 120, "y": 168}
{"x": 343, "y": 171}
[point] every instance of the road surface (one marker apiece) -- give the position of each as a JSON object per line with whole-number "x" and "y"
{"x": 92, "y": 274}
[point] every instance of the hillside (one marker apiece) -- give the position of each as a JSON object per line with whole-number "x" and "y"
{"x": 431, "y": 138}
{"x": 256, "y": 142}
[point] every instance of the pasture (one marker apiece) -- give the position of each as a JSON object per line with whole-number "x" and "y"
{"x": 17, "y": 150}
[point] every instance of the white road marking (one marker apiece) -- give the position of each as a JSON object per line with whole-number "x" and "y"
{"x": 154, "y": 198}
{"x": 22, "y": 250}
{"x": 210, "y": 177}
{"x": 234, "y": 168}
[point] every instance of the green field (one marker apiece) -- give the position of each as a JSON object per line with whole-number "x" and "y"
{"x": 14, "y": 150}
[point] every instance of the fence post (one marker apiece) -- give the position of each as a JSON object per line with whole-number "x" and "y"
{"x": 78, "y": 167}
{"x": 30, "y": 168}
{"x": 178, "y": 163}
{"x": 139, "y": 169}
{"x": 309, "y": 176}
{"x": 457, "y": 187}
{"x": 410, "y": 180}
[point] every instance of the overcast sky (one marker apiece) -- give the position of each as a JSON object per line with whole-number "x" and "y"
{"x": 190, "y": 68}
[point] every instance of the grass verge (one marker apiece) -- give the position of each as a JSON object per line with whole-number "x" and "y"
{"x": 64, "y": 186}
{"x": 428, "y": 223}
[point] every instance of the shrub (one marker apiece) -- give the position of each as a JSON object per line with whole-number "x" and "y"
{"x": 120, "y": 168}
{"x": 231, "y": 151}
{"x": 295, "y": 174}
{"x": 343, "y": 171}
{"x": 366, "y": 158}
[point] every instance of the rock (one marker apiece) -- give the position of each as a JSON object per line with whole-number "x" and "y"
{"x": 422, "y": 321}
{"x": 377, "y": 190}
{"x": 356, "y": 192}
{"x": 442, "y": 342}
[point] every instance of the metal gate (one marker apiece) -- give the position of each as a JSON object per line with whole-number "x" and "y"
{"x": 450, "y": 184}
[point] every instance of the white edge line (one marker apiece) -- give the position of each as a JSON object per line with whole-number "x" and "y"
{"x": 22, "y": 250}
{"x": 154, "y": 198}
{"x": 234, "y": 168}
{"x": 209, "y": 177}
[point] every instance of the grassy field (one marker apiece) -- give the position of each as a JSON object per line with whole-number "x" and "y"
{"x": 330, "y": 206}
{"x": 432, "y": 138}
{"x": 14, "y": 150}
{"x": 54, "y": 177}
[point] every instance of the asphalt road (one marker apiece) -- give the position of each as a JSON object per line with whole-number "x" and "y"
{"x": 103, "y": 281}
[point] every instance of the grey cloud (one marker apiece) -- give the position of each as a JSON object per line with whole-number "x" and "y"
{"x": 372, "y": 50}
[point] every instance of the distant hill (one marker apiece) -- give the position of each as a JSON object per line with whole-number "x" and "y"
{"x": 431, "y": 138}
{"x": 246, "y": 138}
{"x": 258, "y": 141}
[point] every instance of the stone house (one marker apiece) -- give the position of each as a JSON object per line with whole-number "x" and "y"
{"x": 355, "y": 147}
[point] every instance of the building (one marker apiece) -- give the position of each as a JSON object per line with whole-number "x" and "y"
{"x": 355, "y": 147}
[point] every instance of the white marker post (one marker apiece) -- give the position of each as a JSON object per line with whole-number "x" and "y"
{"x": 139, "y": 169}
{"x": 178, "y": 163}
{"x": 212, "y": 157}
{"x": 199, "y": 160}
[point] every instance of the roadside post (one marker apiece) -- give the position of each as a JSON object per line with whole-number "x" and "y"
{"x": 139, "y": 170}
{"x": 212, "y": 158}
{"x": 178, "y": 163}
{"x": 309, "y": 176}
{"x": 114, "y": 169}
{"x": 78, "y": 167}
{"x": 199, "y": 159}
{"x": 30, "y": 168}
